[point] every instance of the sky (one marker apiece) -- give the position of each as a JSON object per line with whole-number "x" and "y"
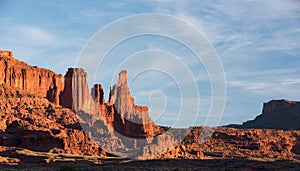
{"x": 256, "y": 42}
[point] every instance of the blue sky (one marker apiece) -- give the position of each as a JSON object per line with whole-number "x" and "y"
{"x": 257, "y": 43}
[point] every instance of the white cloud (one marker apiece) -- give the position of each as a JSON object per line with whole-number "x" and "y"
{"x": 270, "y": 83}
{"x": 36, "y": 36}
{"x": 291, "y": 81}
{"x": 231, "y": 25}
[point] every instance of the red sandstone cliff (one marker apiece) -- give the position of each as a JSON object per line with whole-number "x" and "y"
{"x": 76, "y": 94}
{"x": 34, "y": 80}
{"x": 30, "y": 115}
{"x": 32, "y": 122}
{"x": 72, "y": 92}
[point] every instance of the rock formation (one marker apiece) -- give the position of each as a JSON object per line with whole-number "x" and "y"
{"x": 34, "y": 80}
{"x": 98, "y": 94}
{"x": 233, "y": 143}
{"x": 76, "y": 94}
{"x": 130, "y": 120}
{"x": 72, "y": 92}
{"x": 119, "y": 124}
{"x": 32, "y": 122}
{"x": 276, "y": 114}
{"x": 40, "y": 111}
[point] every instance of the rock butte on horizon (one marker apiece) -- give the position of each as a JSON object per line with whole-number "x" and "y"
{"x": 31, "y": 118}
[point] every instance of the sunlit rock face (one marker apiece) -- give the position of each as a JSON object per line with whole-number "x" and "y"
{"x": 76, "y": 94}
{"x": 39, "y": 81}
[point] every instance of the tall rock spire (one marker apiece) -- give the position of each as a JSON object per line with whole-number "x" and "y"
{"x": 76, "y": 95}
{"x": 120, "y": 96}
{"x": 135, "y": 120}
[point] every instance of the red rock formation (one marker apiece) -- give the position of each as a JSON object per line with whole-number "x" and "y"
{"x": 28, "y": 119}
{"x": 119, "y": 123}
{"x": 235, "y": 143}
{"x": 98, "y": 94}
{"x": 120, "y": 114}
{"x": 76, "y": 95}
{"x": 277, "y": 114}
{"x": 130, "y": 119}
{"x": 34, "y": 80}
{"x": 34, "y": 123}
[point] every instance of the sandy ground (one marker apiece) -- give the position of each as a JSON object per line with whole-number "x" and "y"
{"x": 22, "y": 159}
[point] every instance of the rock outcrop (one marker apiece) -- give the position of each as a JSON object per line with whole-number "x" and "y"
{"x": 276, "y": 114}
{"x": 119, "y": 123}
{"x": 34, "y": 80}
{"x": 234, "y": 143}
{"x": 32, "y": 122}
{"x": 98, "y": 94}
{"x": 130, "y": 120}
{"x": 76, "y": 95}
{"x": 72, "y": 92}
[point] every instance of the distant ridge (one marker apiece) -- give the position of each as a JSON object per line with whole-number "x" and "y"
{"x": 276, "y": 114}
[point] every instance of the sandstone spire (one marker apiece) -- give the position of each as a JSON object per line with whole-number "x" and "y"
{"x": 130, "y": 119}
{"x": 120, "y": 96}
{"x": 76, "y": 94}
{"x": 98, "y": 94}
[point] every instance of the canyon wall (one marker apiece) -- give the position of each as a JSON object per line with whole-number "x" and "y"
{"x": 276, "y": 114}
{"x": 71, "y": 91}
{"x": 34, "y": 80}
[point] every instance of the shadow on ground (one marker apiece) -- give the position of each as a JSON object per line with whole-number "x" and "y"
{"x": 22, "y": 159}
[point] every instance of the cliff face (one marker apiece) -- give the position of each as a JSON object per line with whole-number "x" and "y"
{"x": 34, "y": 80}
{"x": 30, "y": 113}
{"x": 34, "y": 123}
{"x": 120, "y": 113}
{"x": 277, "y": 114}
{"x": 76, "y": 94}
{"x": 71, "y": 92}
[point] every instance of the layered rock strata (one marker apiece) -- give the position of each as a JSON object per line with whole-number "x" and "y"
{"x": 38, "y": 81}
{"x": 32, "y": 122}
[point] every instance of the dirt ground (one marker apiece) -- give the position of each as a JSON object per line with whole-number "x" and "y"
{"x": 22, "y": 159}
